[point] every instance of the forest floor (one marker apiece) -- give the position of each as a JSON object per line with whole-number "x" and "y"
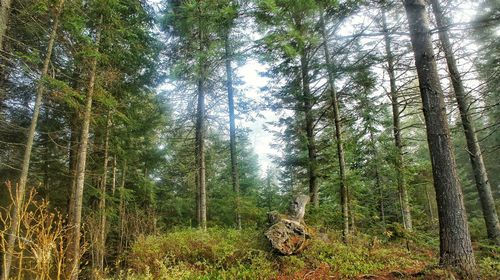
{"x": 232, "y": 254}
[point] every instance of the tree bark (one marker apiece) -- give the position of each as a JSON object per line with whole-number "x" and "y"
{"x": 403, "y": 192}
{"x": 309, "y": 123}
{"x": 344, "y": 191}
{"x": 75, "y": 219}
{"x": 21, "y": 187}
{"x": 4, "y": 19}
{"x": 473, "y": 148}
{"x": 455, "y": 244}
{"x": 232, "y": 130}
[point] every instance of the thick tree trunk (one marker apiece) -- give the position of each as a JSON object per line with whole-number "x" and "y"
{"x": 21, "y": 186}
{"x": 344, "y": 191}
{"x": 232, "y": 130}
{"x": 455, "y": 244}
{"x": 403, "y": 193}
{"x": 473, "y": 148}
{"x": 102, "y": 202}
{"x": 200, "y": 156}
{"x": 75, "y": 220}
{"x": 4, "y": 19}
{"x": 309, "y": 122}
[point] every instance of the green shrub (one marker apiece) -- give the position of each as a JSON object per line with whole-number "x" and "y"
{"x": 489, "y": 268}
{"x": 198, "y": 251}
{"x": 232, "y": 254}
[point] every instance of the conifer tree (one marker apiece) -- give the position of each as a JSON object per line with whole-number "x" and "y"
{"x": 475, "y": 154}
{"x": 455, "y": 244}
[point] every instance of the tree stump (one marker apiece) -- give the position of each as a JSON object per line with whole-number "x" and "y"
{"x": 289, "y": 234}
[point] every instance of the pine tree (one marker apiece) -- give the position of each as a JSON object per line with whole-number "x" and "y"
{"x": 455, "y": 245}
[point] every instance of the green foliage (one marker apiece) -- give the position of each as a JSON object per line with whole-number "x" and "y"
{"x": 231, "y": 254}
{"x": 489, "y": 267}
{"x": 215, "y": 253}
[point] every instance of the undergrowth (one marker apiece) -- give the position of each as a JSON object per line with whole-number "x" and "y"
{"x": 232, "y": 254}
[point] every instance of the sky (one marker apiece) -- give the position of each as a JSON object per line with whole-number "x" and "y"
{"x": 261, "y": 139}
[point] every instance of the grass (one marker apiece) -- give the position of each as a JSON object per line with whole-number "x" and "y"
{"x": 232, "y": 254}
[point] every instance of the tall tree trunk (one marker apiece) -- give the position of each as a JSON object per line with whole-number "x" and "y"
{"x": 102, "y": 201}
{"x": 21, "y": 186}
{"x": 4, "y": 19}
{"x": 113, "y": 180}
{"x": 200, "y": 155}
{"x": 473, "y": 148}
{"x": 455, "y": 244}
{"x": 309, "y": 122}
{"x": 232, "y": 129}
{"x": 73, "y": 158}
{"x": 344, "y": 191}
{"x": 403, "y": 192}
{"x": 75, "y": 219}
{"x": 121, "y": 209}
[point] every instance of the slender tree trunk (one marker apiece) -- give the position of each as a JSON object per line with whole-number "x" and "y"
{"x": 200, "y": 155}
{"x": 75, "y": 220}
{"x": 4, "y": 19}
{"x": 102, "y": 201}
{"x": 198, "y": 208}
{"x": 73, "y": 158}
{"x": 113, "y": 180}
{"x": 403, "y": 192}
{"x": 309, "y": 122}
{"x": 232, "y": 130}
{"x": 21, "y": 187}
{"x": 473, "y": 148}
{"x": 121, "y": 208}
{"x": 344, "y": 191}
{"x": 455, "y": 244}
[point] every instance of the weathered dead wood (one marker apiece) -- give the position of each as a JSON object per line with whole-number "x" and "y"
{"x": 289, "y": 234}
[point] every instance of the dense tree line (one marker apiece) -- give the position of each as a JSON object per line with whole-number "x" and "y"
{"x": 129, "y": 118}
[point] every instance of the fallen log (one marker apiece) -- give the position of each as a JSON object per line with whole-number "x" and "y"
{"x": 289, "y": 234}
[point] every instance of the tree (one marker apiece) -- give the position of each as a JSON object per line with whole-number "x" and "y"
{"x": 76, "y": 219}
{"x": 475, "y": 154}
{"x": 21, "y": 186}
{"x": 396, "y": 112}
{"x": 4, "y": 19}
{"x": 232, "y": 129}
{"x": 344, "y": 189}
{"x": 291, "y": 36}
{"x": 455, "y": 245}
{"x": 195, "y": 26}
